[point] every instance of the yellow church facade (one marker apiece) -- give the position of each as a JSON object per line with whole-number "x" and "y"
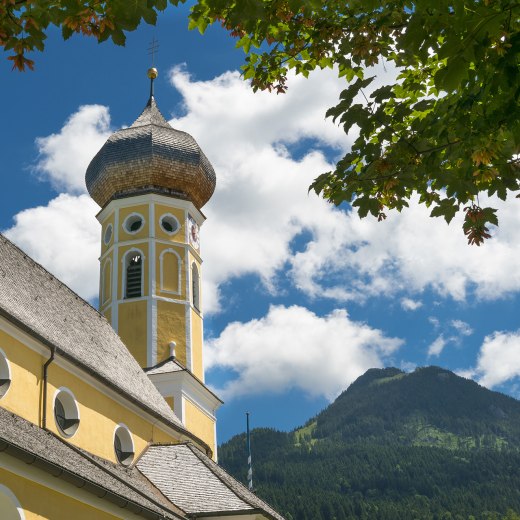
{"x": 105, "y": 414}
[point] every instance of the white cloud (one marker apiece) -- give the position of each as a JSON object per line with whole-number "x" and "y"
{"x": 463, "y": 328}
{"x": 261, "y": 204}
{"x": 434, "y": 321}
{"x": 291, "y": 347}
{"x": 436, "y": 348}
{"x": 498, "y": 360}
{"x": 408, "y": 366}
{"x": 64, "y": 237}
{"x": 64, "y": 157}
{"x": 410, "y": 305}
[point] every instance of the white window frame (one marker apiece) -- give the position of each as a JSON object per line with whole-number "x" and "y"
{"x": 128, "y": 217}
{"x": 161, "y": 271}
{"x": 65, "y": 390}
{"x": 170, "y": 233}
{"x": 12, "y": 497}
{"x": 9, "y": 374}
{"x": 125, "y": 266}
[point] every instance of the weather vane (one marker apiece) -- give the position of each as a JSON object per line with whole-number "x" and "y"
{"x": 152, "y": 71}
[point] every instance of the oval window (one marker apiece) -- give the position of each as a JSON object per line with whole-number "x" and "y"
{"x": 66, "y": 412}
{"x": 108, "y": 234}
{"x": 170, "y": 224}
{"x": 133, "y": 223}
{"x": 5, "y": 374}
{"x": 124, "y": 445}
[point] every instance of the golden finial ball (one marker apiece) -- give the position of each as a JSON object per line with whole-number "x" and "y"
{"x": 152, "y": 73}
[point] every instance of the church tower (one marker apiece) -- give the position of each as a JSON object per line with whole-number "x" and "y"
{"x": 151, "y": 182}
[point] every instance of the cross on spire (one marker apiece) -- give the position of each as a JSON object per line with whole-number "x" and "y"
{"x": 153, "y": 49}
{"x": 152, "y": 71}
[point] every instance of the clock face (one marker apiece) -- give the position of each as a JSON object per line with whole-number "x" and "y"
{"x": 193, "y": 230}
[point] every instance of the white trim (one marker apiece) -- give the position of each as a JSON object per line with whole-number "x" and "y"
{"x": 193, "y": 287}
{"x": 39, "y": 476}
{"x": 111, "y": 227}
{"x": 115, "y": 275}
{"x": 202, "y": 352}
{"x": 34, "y": 345}
{"x": 103, "y": 301}
{"x": 12, "y": 497}
{"x": 148, "y": 240}
{"x": 151, "y": 333}
{"x": 153, "y": 326}
{"x": 166, "y": 200}
{"x": 183, "y": 381}
{"x": 123, "y": 281}
{"x": 75, "y": 414}
{"x": 161, "y": 272}
{"x": 128, "y": 217}
{"x": 3, "y": 355}
{"x": 178, "y": 224}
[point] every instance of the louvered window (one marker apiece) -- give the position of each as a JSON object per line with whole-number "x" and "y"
{"x": 134, "y": 274}
{"x": 195, "y": 286}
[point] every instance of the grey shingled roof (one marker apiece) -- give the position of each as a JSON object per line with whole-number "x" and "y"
{"x": 150, "y": 155}
{"x": 196, "y": 483}
{"x": 41, "y": 303}
{"x": 32, "y": 444}
{"x": 165, "y": 367}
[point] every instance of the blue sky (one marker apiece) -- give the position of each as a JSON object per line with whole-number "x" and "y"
{"x": 300, "y": 297}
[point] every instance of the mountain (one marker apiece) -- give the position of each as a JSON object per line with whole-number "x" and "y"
{"x": 394, "y": 446}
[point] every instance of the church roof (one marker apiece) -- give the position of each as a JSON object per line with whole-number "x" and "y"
{"x": 165, "y": 367}
{"x": 150, "y": 156}
{"x": 126, "y": 487}
{"x": 39, "y": 303}
{"x": 197, "y": 484}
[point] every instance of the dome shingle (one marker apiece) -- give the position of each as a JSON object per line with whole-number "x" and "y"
{"x": 150, "y": 156}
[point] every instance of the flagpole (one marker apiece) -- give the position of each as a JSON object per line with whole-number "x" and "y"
{"x": 249, "y": 463}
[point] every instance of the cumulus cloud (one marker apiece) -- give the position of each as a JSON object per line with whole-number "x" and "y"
{"x": 291, "y": 347}
{"x": 463, "y": 328}
{"x": 410, "y": 305}
{"x": 64, "y": 237}
{"x": 498, "y": 360}
{"x": 436, "y": 348}
{"x": 261, "y": 205}
{"x": 63, "y": 157}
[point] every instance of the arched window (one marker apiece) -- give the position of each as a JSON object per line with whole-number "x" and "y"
{"x": 9, "y": 505}
{"x": 106, "y": 282}
{"x": 195, "y": 286}
{"x": 133, "y": 274}
{"x": 170, "y": 265}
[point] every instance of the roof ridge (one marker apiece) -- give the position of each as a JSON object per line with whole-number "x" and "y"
{"x": 210, "y": 464}
{"x": 105, "y": 466}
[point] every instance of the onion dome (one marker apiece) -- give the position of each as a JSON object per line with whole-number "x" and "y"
{"x": 150, "y": 157}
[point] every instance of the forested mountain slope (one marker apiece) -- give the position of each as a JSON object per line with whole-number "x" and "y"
{"x": 393, "y": 446}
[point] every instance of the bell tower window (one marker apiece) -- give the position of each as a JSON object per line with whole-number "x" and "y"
{"x": 195, "y": 283}
{"x": 134, "y": 275}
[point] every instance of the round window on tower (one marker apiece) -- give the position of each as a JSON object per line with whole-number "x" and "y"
{"x": 108, "y": 234}
{"x": 66, "y": 412}
{"x": 169, "y": 224}
{"x": 133, "y": 223}
{"x": 123, "y": 445}
{"x": 5, "y": 374}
